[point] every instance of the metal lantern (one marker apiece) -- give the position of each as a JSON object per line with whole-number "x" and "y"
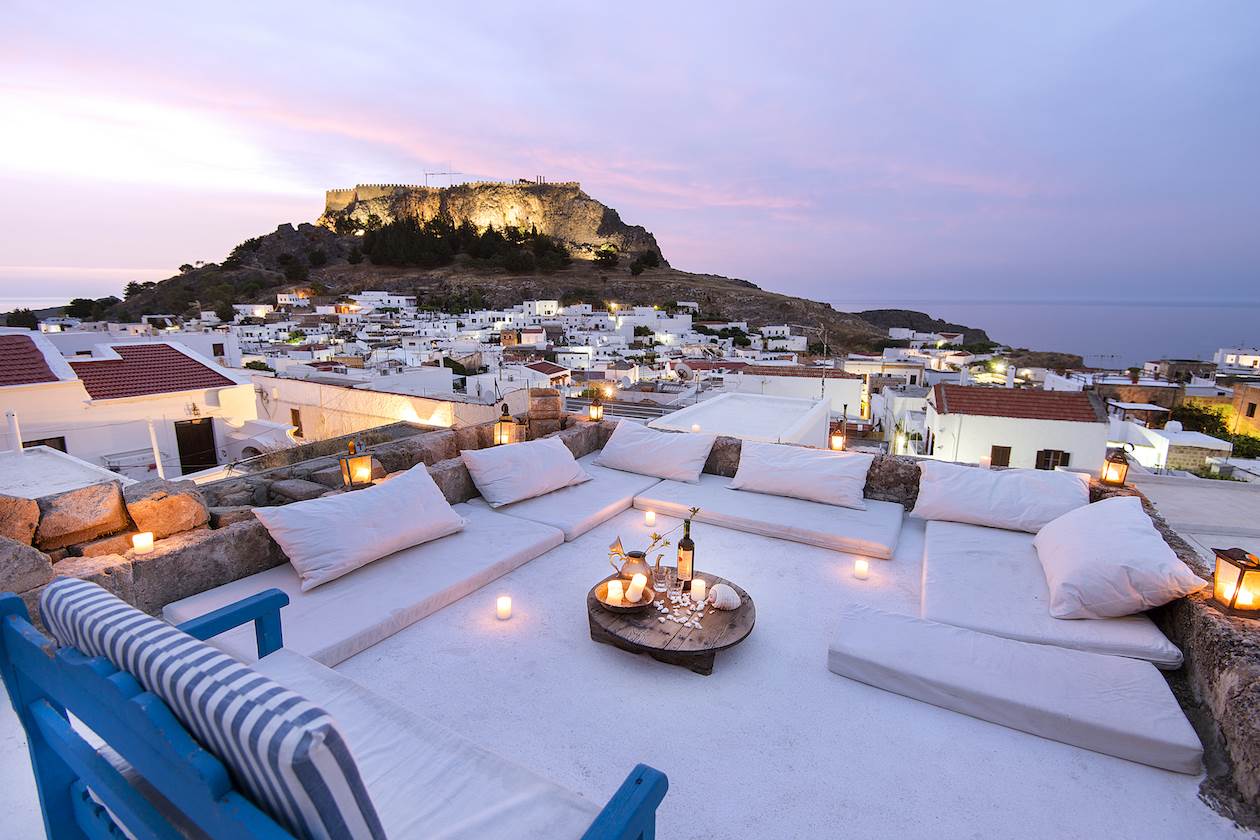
{"x": 506, "y": 429}
{"x": 838, "y": 431}
{"x": 596, "y": 408}
{"x": 356, "y": 470}
{"x": 1115, "y": 468}
{"x": 1236, "y": 581}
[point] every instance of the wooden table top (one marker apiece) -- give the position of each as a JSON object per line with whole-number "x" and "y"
{"x": 644, "y": 630}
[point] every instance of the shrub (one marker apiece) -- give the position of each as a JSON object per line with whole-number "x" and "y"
{"x": 23, "y": 318}
{"x": 636, "y": 268}
{"x": 296, "y": 271}
{"x": 257, "y": 365}
{"x": 606, "y": 255}
{"x": 356, "y": 255}
{"x": 316, "y": 257}
{"x": 649, "y": 259}
{"x": 518, "y": 261}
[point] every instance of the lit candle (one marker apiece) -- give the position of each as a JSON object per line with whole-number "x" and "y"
{"x": 635, "y": 592}
{"x": 695, "y": 427}
{"x": 861, "y": 569}
{"x": 697, "y": 590}
{"x": 503, "y": 607}
{"x": 142, "y": 543}
{"x": 986, "y": 462}
{"x": 649, "y": 517}
{"x": 614, "y": 592}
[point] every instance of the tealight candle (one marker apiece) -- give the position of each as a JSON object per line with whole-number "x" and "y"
{"x": 986, "y": 462}
{"x": 649, "y": 517}
{"x": 698, "y": 589}
{"x": 695, "y": 427}
{"x": 142, "y": 543}
{"x": 615, "y": 592}
{"x": 503, "y": 607}
{"x": 635, "y": 592}
{"x": 861, "y": 569}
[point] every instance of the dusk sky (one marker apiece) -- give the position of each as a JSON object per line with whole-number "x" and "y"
{"x": 1088, "y": 150}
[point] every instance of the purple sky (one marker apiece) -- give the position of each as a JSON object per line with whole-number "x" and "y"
{"x": 923, "y": 150}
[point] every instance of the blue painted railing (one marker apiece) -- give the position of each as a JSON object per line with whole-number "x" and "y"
{"x": 44, "y": 682}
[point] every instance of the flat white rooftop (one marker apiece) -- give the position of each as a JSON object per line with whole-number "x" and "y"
{"x": 754, "y": 417}
{"x": 40, "y": 470}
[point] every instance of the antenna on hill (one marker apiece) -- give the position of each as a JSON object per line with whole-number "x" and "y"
{"x": 448, "y": 183}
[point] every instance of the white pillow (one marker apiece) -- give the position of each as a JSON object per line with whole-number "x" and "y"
{"x": 635, "y": 448}
{"x": 327, "y": 537}
{"x": 1106, "y": 560}
{"x": 515, "y": 471}
{"x": 819, "y": 475}
{"x": 1018, "y": 500}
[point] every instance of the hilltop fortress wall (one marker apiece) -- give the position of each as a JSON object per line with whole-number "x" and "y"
{"x": 338, "y": 200}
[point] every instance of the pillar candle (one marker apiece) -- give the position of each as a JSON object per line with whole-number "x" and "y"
{"x": 861, "y": 569}
{"x": 698, "y": 590}
{"x": 695, "y": 427}
{"x": 635, "y": 592}
{"x": 986, "y": 462}
{"x": 649, "y": 517}
{"x": 614, "y": 592}
{"x": 142, "y": 543}
{"x": 503, "y": 607}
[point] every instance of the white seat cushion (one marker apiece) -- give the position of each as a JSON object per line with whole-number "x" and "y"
{"x": 1108, "y": 704}
{"x": 506, "y": 474}
{"x": 335, "y": 621}
{"x": 1019, "y": 500}
{"x": 425, "y": 780}
{"x": 577, "y": 509}
{"x": 633, "y": 447}
{"x": 990, "y": 580}
{"x": 872, "y": 532}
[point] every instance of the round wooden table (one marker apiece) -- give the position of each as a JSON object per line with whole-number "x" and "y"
{"x": 668, "y": 641}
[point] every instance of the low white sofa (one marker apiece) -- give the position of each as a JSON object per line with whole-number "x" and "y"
{"x": 333, "y": 622}
{"x": 1108, "y": 704}
{"x": 580, "y": 507}
{"x": 990, "y": 580}
{"x": 872, "y": 532}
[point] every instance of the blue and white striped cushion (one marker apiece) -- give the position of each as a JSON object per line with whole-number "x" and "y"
{"x": 286, "y": 753}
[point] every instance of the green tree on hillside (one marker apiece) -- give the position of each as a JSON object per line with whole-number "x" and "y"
{"x": 80, "y": 308}
{"x": 23, "y": 318}
{"x": 606, "y": 255}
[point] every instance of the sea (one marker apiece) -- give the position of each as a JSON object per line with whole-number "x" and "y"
{"x": 1107, "y": 333}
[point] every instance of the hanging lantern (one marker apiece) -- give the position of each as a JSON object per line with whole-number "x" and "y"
{"x": 838, "y": 430}
{"x": 596, "y": 408}
{"x": 1115, "y": 468}
{"x": 1236, "y": 581}
{"x": 506, "y": 429}
{"x": 356, "y": 470}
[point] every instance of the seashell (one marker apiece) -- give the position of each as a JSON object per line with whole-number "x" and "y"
{"x": 724, "y": 597}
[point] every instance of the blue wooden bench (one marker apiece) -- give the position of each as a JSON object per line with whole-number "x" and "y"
{"x": 46, "y": 682}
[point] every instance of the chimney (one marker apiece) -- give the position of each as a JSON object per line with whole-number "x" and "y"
{"x": 964, "y": 375}
{"x": 1010, "y": 375}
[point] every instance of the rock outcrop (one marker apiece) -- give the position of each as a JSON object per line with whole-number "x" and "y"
{"x": 80, "y": 515}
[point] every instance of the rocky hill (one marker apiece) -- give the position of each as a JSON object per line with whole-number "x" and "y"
{"x": 561, "y": 211}
{"x": 920, "y": 322}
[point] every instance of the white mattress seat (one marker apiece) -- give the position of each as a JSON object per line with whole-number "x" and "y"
{"x": 346, "y": 616}
{"x": 577, "y": 509}
{"x": 872, "y": 532}
{"x": 990, "y": 580}
{"x": 426, "y": 781}
{"x": 1108, "y": 704}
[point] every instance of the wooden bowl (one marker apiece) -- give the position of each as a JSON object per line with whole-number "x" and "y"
{"x": 601, "y": 595}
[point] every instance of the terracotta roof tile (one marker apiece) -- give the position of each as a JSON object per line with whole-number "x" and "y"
{"x": 548, "y": 368}
{"x": 22, "y": 363}
{"x": 145, "y": 369}
{"x": 1074, "y": 406}
{"x": 799, "y": 371}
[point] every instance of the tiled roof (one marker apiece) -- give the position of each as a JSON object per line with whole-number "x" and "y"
{"x": 799, "y": 371}
{"x": 145, "y": 369}
{"x": 547, "y": 368}
{"x": 713, "y": 364}
{"x": 1025, "y": 404}
{"x": 21, "y": 362}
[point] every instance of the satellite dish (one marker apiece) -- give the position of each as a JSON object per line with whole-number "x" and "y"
{"x": 1173, "y": 426}
{"x": 684, "y": 372}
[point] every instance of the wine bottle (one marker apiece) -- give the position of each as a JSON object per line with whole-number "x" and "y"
{"x": 686, "y": 556}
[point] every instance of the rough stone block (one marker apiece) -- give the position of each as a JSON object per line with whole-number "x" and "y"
{"x": 221, "y": 517}
{"x": 109, "y": 571}
{"x": 22, "y": 567}
{"x": 165, "y": 507}
{"x": 31, "y": 598}
{"x": 474, "y": 437}
{"x": 113, "y": 544}
{"x": 425, "y": 449}
{"x": 893, "y": 478}
{"x": 453, "y": 479}
{"x": 18, "y": 518}
{"x": 542, "y": 428}
{"x": 295, "y": 490}
{"x": 723, "y": 457}
{"x": 80, "y": 515}
{"x": 581, "y": 439}
{"x": 195, "y": 561}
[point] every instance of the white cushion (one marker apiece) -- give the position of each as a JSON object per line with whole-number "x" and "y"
{"x": 990, "y": 580}
{"x": 635, "y": 448}
{"x": 816, "y": 475}
{"x": 427, "y": 782}
{"x": 1019, "y": 500}
{"x": 349, "y": 615}
{"x": 515, "y": 471}
{"x": 872, "y": 532}
{"x": 576, "y": 510}
{"x": 1107, "y": 559}
{"x": 1108, "y": 704}
{"x": 327, "y": 537}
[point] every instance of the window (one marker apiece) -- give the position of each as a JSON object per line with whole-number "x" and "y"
{"x": 1000, "y": 456}
{"x": 295, "y": 420}
{"x": 1048, "y": 459}
{"x": 217, "y": 350}
{"x": 58, "y": 443}
{"x": 1251, "y": 409}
